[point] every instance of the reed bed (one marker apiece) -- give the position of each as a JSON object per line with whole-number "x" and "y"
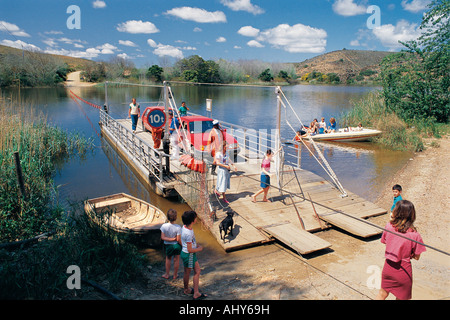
{"x": 371, "y": 112}
{"x": 41, "y": 148}
{"x": 40, "y": 271}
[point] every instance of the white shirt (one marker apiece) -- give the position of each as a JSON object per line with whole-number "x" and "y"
{"x": 170, "y": 230}
{"x": 134, "y": 108}
{"x": 187, "y": 236}
{"x": 323, "y": 124}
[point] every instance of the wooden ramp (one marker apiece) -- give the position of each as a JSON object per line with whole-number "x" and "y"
{"x": 351, "y": 225}
{"x": 298, "y": 239}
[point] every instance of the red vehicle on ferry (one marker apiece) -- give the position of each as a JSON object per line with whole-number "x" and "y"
{"x": 196, "y": 127}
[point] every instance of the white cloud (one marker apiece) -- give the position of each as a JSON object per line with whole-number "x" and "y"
{"x": 242, "y": 5}
{"x": 50, "y": 42}
{"x": 415, "y": 6}
{"x": 197, "y": 15}
{"x": 162, "y": 50}
{"x": 128, "y": 43}
{"x": 53, "y": 32}
{"x": 197, "y": 29}
{"x": 134, "y": 26}
{"x": 13, "y": 29}
{"x": 98, "y": 4}
{"x": 348, "y": 8}
{"x": 295, "y": 39}
{"x": 73, "y": 42}
{"x": 221, "y": 39}
{"x": 19, "y": 44}
{"x": 168, "y": 50}
{"x": 88, "y": 54}
{"x": 152, "y": 43}
{"x": 107, "y": 48}
{"x": 248, "y": 31}
{"x": 255, "y": 44}
{"x": 390, "y": 35}
{"x": 124, "y": 56}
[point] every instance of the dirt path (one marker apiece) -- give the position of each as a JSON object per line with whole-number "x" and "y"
{"x": 73, "y": 80}
{"x": 348, "y": 270}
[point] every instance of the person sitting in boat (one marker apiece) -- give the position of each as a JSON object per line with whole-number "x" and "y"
{"x": 312, "y": 127}
{"x": 302, "y": 133}
{"x": 316, "y": 129}
{"x": 322, "y": 126}
{"x": 333, "y": 125}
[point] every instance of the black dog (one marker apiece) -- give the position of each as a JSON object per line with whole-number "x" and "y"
{"x": 226, "y": 224}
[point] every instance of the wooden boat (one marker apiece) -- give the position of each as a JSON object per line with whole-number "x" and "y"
{"x": 127, "y": 215}
{"x": 347, "y": 136}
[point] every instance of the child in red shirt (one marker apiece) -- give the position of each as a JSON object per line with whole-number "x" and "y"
{"x": 396, "y": 277}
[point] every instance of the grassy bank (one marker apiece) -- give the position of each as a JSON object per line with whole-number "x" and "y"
{"x": 397, "y": 134}
{"x": 39, "y": 271}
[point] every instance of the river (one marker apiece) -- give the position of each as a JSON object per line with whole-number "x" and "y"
{"x": 362, "y": 168}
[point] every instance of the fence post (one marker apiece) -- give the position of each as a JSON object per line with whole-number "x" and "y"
{"x": 19, "y": 175}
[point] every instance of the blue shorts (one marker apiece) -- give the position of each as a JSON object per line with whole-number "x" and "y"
{"x": 265, "y": 180}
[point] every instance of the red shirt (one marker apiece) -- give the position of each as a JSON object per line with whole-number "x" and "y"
{"x": 398, "y": 248}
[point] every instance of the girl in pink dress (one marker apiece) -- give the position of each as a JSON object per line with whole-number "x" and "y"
{"x": 396, "y": 277}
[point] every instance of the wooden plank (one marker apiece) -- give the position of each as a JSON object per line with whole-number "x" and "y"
{"x": 245, "y": 235}
{"x": 300, "y": 240}
{"x": 351, "y": 225}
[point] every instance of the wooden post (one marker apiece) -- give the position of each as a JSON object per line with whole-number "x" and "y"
{"x": 278, "y": 158}
{"x": 19, "y": 175}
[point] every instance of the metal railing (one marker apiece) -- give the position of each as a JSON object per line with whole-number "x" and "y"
{"x": 148, "y": 157}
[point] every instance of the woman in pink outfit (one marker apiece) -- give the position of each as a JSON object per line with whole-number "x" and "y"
{"x": 396, "y": 277}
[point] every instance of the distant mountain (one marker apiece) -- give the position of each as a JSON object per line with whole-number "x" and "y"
{"x": 350, "y": 65}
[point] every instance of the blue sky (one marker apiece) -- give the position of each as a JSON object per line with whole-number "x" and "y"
{"x": 160, "y": 31}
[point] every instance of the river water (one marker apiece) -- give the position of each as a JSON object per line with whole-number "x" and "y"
{"x": 362, "y": 168}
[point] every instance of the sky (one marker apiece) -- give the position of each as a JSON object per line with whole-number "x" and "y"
{"x": 160, "y": 32}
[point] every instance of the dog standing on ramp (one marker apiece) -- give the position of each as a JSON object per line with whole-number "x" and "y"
{"x": 226, "y": 224}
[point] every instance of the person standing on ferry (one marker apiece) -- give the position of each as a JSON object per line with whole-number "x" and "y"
{"x": 134, "y": 112}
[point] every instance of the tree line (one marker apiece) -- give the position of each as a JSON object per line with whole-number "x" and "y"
{"x": 31, "y": 69}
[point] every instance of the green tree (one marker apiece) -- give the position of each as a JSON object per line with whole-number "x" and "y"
{"x": 416, "y": 81}
{"x": 266, "y": 76}
{"x": 284, "y": 75}
{"x": 196, "y": 69}
{"x": 155, "y": 72}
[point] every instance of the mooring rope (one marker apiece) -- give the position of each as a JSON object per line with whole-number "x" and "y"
{"x": 87, "y": 102}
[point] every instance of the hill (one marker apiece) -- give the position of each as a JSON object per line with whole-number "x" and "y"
{"x": 349, "y": 65}
{"x": 74, "y": 63}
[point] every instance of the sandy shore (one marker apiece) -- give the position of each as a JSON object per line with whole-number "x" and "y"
{"x": 73, "y": 80}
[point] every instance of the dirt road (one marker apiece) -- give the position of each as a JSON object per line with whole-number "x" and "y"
{"x": 73, "y": 80}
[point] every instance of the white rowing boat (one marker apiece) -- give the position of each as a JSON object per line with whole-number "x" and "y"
{"x": 347, "y": 136}
{"x": 128, "y": 215}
